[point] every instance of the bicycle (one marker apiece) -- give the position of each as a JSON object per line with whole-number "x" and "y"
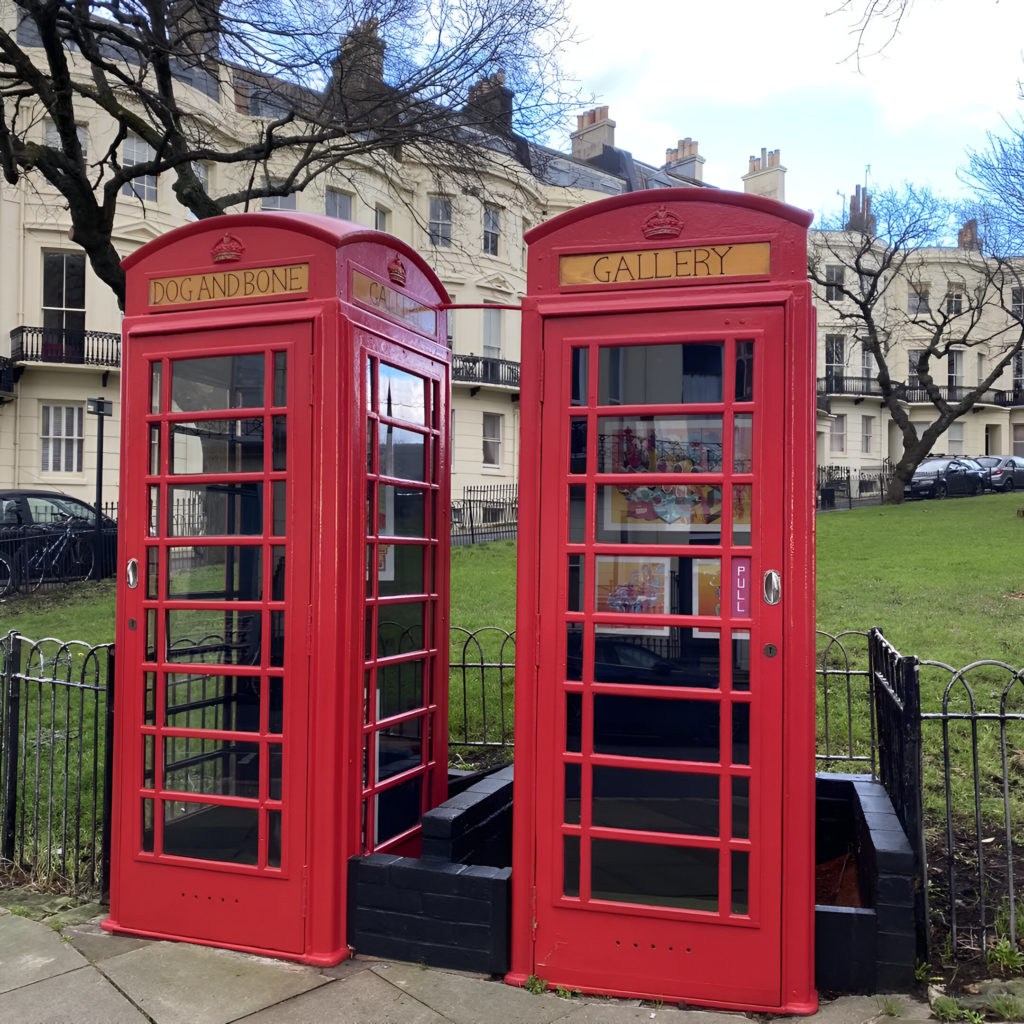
{"x": 63, "y": 556}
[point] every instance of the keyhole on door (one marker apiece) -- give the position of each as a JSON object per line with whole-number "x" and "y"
{"x": 770, "y": 650}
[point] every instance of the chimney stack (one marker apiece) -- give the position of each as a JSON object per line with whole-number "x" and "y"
{"x": 766, "y": 176}
{"x": 685, "y": 160}
{"x": 861, "y": 218}
{"x": 967, "y": 237}
{"x": 594, "y": 131}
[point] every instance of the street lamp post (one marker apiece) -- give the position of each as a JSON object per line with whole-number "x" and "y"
{"x": 100, "y": 408}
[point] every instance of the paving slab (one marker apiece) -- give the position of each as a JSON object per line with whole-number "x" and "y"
{"x": 31, "y": 952}
{"x": 83, "y": 996}
{"x": 465, "y": 999}
{"x": 620, "y": 1012}
{"x": 95, "y": 944}
{"x": 363, "y": 998}
{"x": 178, "y": 983}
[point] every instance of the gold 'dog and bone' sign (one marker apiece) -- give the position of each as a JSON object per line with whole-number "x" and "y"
{"x": 742, "y": 259}
{"x": 217, "y": 285}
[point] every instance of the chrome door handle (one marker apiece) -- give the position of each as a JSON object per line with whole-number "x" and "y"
{"x": 131, "y": 573}
{"x": 772, "y": 587}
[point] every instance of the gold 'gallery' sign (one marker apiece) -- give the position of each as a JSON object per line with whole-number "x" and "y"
{"x": 218, "y": 285}
{"x": 395, "y": 303}
{"x": 742, "y": 259}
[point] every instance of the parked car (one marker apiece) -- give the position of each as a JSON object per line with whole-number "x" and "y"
{"x": 28, "y": 515}
{"x": 940, "y": 476}
{"x": 1005, "y": 472}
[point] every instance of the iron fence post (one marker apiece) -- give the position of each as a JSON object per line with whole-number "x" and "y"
{"x": 108, "y": 775}
{"x": 9, "y": 762}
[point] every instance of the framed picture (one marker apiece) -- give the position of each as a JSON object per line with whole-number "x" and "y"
{"x": 634, "y": 586}
{"x": 665, "y": 509}
{"x": 707, "y": 592}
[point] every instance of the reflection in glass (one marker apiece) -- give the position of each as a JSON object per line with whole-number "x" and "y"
{"x": 660, "y": 876}
{"x": 154, "y": 510}
{"x": 573, "y": 781}
{"x": 741, "y": 734}
{"x": 659, "y": 514}
{"x": 575, "y": 596}
{"x": 573, "y": 722}
{"x": 155, "y": 391}
{"x": 147, "y": 826}
{"x": 741, "y": 661}
{"x": 280, "y": 497}
{"x": 212, "y": 510}
{"x": 215, "y": 573}
{"x": 577, "y": 514}
{"x": 401, "y": 512}
{"x": 400, "y": 628}
{"x": 648, "y": 801}
{"x": 402, "y": 453}
{"x": 148, "y": 761}
{"x": 740, "y": 882}
{"x": 398, "y": 809}
{"x": 277, "y": 639}
{"x": 149, "y": 700}
{"x": 680, "y": 730}
{"x": 660, "y": 374}
{"x": 402, "y": 395}
{"x": 579, "y": 376}
{"x": 277, "y": 569}
{"x": 217, "y": 446}
{"x": 274, "y": 762}
{"x": 275, "y": 704}
{"x": 280, "y": 378}
{"x": 211, "y": 832}
{"x": 743, "y": 443}
{"x": 578, "y": 445}
{"x": 154, "y": 449}
{"x": 203, "y": 764}
{"x": 217, "y": 382}
{"x": 151, "y": 637}
{"x": 571, "y": 866}
{"x": 228, "y": 703}
{"x": 399, "y": 688}
{"x": 213, "y": 637}
{"x": 742, "y": 511}
{"x": 744, "y": 371}
{"x": 279, "y": 443}
{"x": 399, "y": 748}
{"x": 273, "y": 839}
{"x": 152, "y": 573}
{"x": 741, "y": 807}
{"x": 659, "y": 444}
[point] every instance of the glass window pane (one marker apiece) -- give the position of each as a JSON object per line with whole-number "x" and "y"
{"x": 741, "y": 512}
{"x": 577, "y": 445}
{"x": 741, "y": 808}
{"x": 401, "y": 512}
{"x": 399, "y": 748}
{"x": 573, "y": 722}
{"x": 574, "y": 598}
{"x": 680, "y": 730}
{"x": 211, "y": 510}
{"x": 213, "y": 637}
{"x": 154, "y": 511}
{"x": 155, "y": 391}
{"x": 744, "y": 371}
{"x": 149, "y": 704}
{"x": 659, "y": 444}
{"x": 743, "y": 443}
{"x": 660, "y": 876}
{"x": 211, "y": 832}
{"x": 215, "y": 573}
{"x": 273, "y": 839}
{"x": 153, "y": 573}
{"x": 571, "y": 866}
{"x": 217, "y": 446}
{"x": 673, "y": 802}
{"x": 577, "y": 514}
{"x": 279, "y": 443}
{"x": 275, "y": 704}
{"x": 400, "y": 628}
{"x": 402, "y": 453}
{"x": 398, "y": 809}
{"x": 741, "y": 734}
{"x": 659, "y": 514}
{"x": 280, "y": 378}
{"x": 277, "y": 573}
{"x": 217, "y": 382}
{"x": 274, "y": 775}
{"x": 228, "y": 703}
{"x": 741, "y": 661}
{"x": 204, "y": 764}
{"x": 154, "y": 449}
{"x": 573, "y": 779}
{"x": 740, "y": 882}
{"x": 579, "y": 376}
{"x": 399, "y": 688}
{"x": 147, "y": 826}
{"x": 399, "y": 569}
{"x": 280, "y": 491}
{"x": 402, "y": 395}
{"x": 660, "y": 374}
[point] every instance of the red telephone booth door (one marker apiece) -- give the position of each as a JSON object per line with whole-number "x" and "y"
{"x": 659, "y": 837}
{"x": 214, "y": 625}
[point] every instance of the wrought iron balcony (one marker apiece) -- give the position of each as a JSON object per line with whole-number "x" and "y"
{"x": 913, "y": 394}
{"x": 7, "y": 379}
{"x": 485, "y": 370}
{"x": 57, "y": 345}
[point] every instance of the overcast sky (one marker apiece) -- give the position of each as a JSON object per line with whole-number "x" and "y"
{"x": 738, "y": 75}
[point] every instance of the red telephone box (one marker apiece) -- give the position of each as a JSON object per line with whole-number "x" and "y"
{"x": 664, "y": 788}
{"x": 281, "y": 682}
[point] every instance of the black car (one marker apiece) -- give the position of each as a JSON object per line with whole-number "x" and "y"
{"x": 940, "y": 476}
{"x": 30, "y": 522}
{"x": 1005, "y": 472}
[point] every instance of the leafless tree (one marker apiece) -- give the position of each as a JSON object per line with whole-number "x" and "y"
{"x": 901, "y": 292}
{"x": 876, "y": 23}
{"x": 281, "y": 90}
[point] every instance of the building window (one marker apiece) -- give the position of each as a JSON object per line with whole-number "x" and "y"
{"x": 135, "y": 151}
{"x": 450, "y": 323}
{"x": 835, "y": 362}
{"x": 834, "y": 283}
{"x": 867, "y": 362}
{"x": 286, "y": 202}
{"x": 837, "y": 435}
{"x": 1018, "y": 372}
{"x": 913, "y": 380}
{"x": 338, "y": 204}
{"x": 492, "y": 333}
{"x": 380, "y": 217}
{"x": 867, "y": 430}
{"x": 955, "y": 368}
{"x": 955, "y": 439}
{"x": 52, "y": 137}
{"x": 492, "y": 428}
{"x": 64, "y": 291}
{"x": 982, "y": 372}
{"x": 1018, "y": 440}
{"x": 440, "y": 221}
{"x": 202, "y": 172}
{"x": 917, "y": 300}
{"x": 954, "y": 302}
{"x": 1017, "y": 302}
{"x": 62, "y": 439}
{"x": 492, "y": 228}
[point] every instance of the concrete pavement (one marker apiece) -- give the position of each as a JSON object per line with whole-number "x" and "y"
{"x": 64, "y": 969}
